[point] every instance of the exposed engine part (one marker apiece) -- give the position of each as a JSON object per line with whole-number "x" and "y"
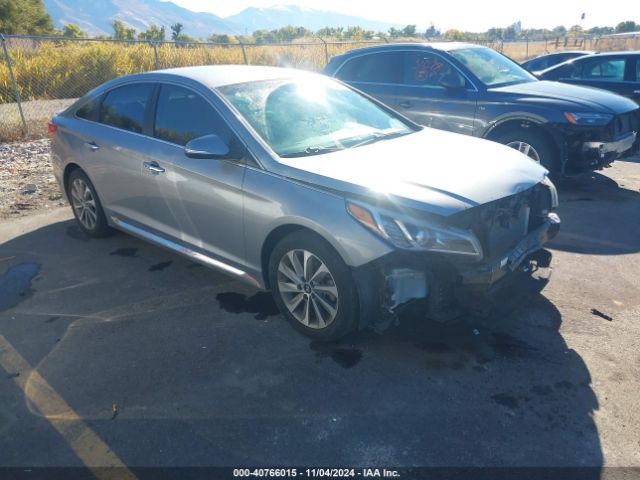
{"x": 403, "y": 285}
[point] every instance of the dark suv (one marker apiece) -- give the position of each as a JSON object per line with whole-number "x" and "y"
{"x": 477, "y": 91}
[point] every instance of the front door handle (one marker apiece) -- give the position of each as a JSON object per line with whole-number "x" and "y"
{"x": 636, "y": 91}
{"x": 93, "y": 146}
{"x": 154, "y": 167}
{"x": 406, "y": 104}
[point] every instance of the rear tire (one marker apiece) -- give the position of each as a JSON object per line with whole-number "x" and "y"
{"x": 532, "y": 144}
{"x": 86, "y": 205}
{"x": 313, "y": 287}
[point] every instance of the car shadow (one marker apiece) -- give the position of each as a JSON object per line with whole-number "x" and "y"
{"x": 204, "y": 368}
{"x": 598, "y": 215}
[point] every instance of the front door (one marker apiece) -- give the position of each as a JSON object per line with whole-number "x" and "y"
{"x": 423, "y": 99}
{"x": 203, "y": 197}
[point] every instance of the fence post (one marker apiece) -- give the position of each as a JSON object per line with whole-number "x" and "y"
{"x": 244, "y": 52}
{"x": 326, "y": 50}
{"x": 527, "y": 39}
{"x": 154, "y": 45}
{"x": 16, "y": 93}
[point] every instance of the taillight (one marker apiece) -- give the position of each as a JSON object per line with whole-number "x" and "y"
{"x": 52, "y": 128}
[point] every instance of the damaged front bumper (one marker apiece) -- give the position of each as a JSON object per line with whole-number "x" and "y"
{"x": 603, "y": 153}
{"x": 446, "y": 286}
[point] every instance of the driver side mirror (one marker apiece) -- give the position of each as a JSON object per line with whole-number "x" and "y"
{"x": 452, "y": 81}
{"x": 208, "y": 146}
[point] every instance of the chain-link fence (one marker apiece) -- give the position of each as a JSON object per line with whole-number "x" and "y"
{"x": 42, "y": 75}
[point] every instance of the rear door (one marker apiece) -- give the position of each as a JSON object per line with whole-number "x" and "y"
{"x": 196, "y": 201}
{"x": 115, "y": 145}
{"x": 377, "y": 74}
{"x": 610, "y": 72}
{"x": 423, "y": 99}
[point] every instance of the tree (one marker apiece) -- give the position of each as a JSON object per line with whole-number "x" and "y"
{"x": 394, "y": 32}
{"x": 409, "y": 31}
{"x": 72, "y": 30}
{"x": 432, "y": 32}
{"x": 453, "y": 35}
{"x": 25, "y": 17}
{"x": 122, "y": 32}
{"x": 628, "y": 26}
{"x": 176, "y": 31}
{"x": 559, "y": 31}
{"x": 153, "y": 34}
{"x": 575, "y": 30}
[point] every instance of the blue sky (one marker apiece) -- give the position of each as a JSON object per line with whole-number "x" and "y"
{"x": 472, "y": 15}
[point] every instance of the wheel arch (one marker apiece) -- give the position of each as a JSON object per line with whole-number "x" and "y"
{"x": 70, "y": 167}
{"x": 500, "y": 128}
{"x": 283, "y": 230}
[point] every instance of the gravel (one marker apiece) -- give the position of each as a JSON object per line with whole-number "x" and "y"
{"x": 27, "y": 183}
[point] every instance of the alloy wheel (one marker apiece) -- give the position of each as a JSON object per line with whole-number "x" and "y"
{"x": 525, "y": 148}
{"x": 307, "y": 289}
{"x": 84, "y": 203}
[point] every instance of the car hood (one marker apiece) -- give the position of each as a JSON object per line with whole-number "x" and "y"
{"x": 431, "y": 170}
{"x": 569, "y": 96}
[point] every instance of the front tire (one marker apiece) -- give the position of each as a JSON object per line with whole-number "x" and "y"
{"x": 86, "y": 205}
{"x": 313, "y": 287}
{"x": 533, "y": 145}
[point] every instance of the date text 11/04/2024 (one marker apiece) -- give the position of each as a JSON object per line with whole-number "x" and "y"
{"x": 316, "y": 472}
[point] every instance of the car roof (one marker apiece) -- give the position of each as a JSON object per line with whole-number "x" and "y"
{"x": 443, "y": 46}
{"x": 215, "y": 76}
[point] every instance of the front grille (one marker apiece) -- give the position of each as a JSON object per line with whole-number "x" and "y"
{"x": 501, "y": 224}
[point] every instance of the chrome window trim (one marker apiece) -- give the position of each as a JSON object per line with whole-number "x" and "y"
{"x": 404, "y": 50}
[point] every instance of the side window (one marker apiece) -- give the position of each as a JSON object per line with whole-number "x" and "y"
{"x": 426, "y": 69}
{"x": 182, "y": 115}
{"x": 601, "y": 69}
{"x": 538, "y": 64}
{"x": 89, "y": 110}
{"x": 384, "y": 67}
{"x": 124, "y": 107}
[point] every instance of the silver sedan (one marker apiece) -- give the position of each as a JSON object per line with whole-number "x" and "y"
{"x": 299, "y": 184}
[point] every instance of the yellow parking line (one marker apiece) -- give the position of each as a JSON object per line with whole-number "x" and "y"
{"x": 86, "y": 444}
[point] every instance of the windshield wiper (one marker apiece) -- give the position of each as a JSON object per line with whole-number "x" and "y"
{"x": 380, "y": 136}
{"x": 311, "y": 151}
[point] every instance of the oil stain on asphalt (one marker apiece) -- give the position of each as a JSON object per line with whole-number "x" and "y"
{"x": 158, "y": 267}
{"x": 261, "y": 304}
{"x": 344, "y": 356}
{"x": 15, "y": 284}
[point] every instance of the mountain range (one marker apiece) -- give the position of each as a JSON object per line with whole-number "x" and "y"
{"x": 96, "y": 17}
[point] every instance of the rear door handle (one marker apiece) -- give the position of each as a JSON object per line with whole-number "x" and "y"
{"x": 636, "y": 91}
{"x": 93, "y": 146}
{"x": 154, "y": 167}
{"x": 406, "y": 104}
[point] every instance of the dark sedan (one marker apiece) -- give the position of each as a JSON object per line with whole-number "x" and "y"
{"x": 549, "y": 60}
{"x": 617, "y": 72}
{"x": 477, "y": 91}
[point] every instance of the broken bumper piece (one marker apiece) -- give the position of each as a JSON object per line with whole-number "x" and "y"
{"x": 445, "y": 286}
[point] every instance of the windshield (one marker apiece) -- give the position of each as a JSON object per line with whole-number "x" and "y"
{"x": 492, "y": 68}
{"x": 311, "y": 116}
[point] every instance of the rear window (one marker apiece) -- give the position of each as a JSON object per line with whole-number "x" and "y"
{"x": 384, "y": 67}
{"x": 125, "y": 107}
{"x": 89, "y": 110}
{"x": 601, "y": 69}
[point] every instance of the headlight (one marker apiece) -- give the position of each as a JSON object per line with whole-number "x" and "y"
{"x": 588, "y": 118}
{"x": 403, "y": 234}
{"x": 552, "y": 191}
